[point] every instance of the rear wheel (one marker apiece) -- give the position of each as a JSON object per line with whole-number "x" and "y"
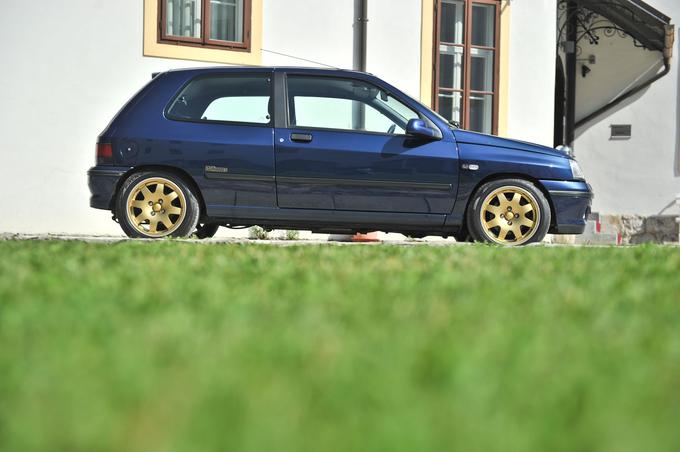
{"x": 155, "y": 205}
{"x": 508, "y": 212}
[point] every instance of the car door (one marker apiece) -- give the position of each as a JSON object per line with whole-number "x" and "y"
{"x": 223, "y": 133}
{"x": 344, "y": 147}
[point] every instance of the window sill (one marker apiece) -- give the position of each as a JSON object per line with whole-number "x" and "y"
{"x": 229, "y": 47}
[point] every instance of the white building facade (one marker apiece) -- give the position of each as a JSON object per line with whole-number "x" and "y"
{"x": 489, "y": 64}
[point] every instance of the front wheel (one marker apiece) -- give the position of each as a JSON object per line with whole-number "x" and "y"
{"x": 509, "y": 212}
{"x": 156, "y": 204}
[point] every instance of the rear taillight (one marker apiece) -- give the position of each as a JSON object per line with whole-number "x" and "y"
{"x": 104, "y": 153}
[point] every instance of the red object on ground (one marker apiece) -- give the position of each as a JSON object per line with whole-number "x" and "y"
{"x": 370, "y": 237}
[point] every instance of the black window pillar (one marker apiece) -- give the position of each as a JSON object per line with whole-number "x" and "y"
{"x": 570, "y": 50}
{"x": 560, "y": 88}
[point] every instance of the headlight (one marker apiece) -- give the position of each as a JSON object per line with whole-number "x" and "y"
{"x": 576, "y": 171}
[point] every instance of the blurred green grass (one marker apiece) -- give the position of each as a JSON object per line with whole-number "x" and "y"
{"x": 174, "y": 346}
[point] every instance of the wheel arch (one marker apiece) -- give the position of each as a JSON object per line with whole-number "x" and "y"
{"x": 182, "y": 174}
{"x": 498, "y": 176}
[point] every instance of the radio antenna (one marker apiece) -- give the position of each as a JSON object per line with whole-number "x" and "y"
{"x": 299, "y": 58}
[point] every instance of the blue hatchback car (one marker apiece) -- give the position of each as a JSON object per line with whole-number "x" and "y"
{"x": 329, "y": 151}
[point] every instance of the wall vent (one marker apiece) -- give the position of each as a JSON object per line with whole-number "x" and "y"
{"x": 621, "y": 131}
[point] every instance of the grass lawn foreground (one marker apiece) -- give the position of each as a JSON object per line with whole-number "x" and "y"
{"x": 175, "y": 346}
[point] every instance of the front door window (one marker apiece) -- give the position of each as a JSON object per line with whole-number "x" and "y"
{"x": 345, "y": 104}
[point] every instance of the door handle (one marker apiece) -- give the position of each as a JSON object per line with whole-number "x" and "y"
{"x": 301, "y": 137}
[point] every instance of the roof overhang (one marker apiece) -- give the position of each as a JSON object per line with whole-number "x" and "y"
{"x": 648, "y": 27}
{"x": 651, "y": 28}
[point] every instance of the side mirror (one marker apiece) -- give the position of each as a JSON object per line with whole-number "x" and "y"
{"x": 418, "y": 128}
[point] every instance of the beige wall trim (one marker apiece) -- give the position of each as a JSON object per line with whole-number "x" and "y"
{"x": 426, "y": 52}
{"x": 153, "y": 48}
{"x": 427, "y": 60}
{"x": 504, "y": 70}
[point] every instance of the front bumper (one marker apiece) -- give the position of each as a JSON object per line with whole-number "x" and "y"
{"x": 103, "y": 182}
{"x": 571, "y": 201}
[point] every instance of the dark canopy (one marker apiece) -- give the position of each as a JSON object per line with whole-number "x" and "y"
{"x": 644, "y": 23}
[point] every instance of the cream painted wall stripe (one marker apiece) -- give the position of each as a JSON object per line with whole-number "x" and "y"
{"x": 426, "y": 52}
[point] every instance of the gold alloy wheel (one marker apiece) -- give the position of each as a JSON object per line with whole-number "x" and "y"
{"x": 156, "y": 207}
{"x": 510, "y": 215}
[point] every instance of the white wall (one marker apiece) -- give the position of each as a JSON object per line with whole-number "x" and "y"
{"x": 59, "y": 92}
{"x": 320, "y": 31}
{"x": 393, "y": 51}
{"x": 532, "y": 71}
{"x": 323, "y": 32}
{"x": 640, "y": 175}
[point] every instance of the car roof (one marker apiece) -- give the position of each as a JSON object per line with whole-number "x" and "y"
{"x": 298, "y": 69}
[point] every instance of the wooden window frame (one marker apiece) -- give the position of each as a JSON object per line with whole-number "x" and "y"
{"x": 204, "y": 41}
{"x": 467, "y": 52}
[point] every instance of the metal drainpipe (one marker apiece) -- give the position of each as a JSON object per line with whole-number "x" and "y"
{"x": 361, "y": 36}
{"x": 363, "y": 33}
{"x": 667, "y": 57}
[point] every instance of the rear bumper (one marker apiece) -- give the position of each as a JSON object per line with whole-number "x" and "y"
{"x": 103, "y": 182}
{"x": 571, "y": 201}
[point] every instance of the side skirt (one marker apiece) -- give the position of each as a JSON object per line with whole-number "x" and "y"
{"x": 329, "y": 220}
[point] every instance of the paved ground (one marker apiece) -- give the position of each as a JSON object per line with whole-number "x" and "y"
{"x": 320, "y": 240}
{"x": 307, "y": 239}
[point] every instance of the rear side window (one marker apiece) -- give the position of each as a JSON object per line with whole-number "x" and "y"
{"x": 241, "y": 98}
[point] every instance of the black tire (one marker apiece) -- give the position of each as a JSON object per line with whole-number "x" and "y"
{"x": 518, "y": 221}
{"x": 162, "y": 213}
{"x": 206, "y": 231}
{"x": 463, "y": 236}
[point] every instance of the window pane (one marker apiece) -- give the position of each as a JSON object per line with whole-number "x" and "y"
{"x": 237, "y": 98}
{"x": 378, "y": 122}
{"x": 238, "y": 109}
{"x": 451, "y": 65}
{"x": 451, "y": 106}
{"x": 226, "y": 20}
{"x": 453, "y": 21}
{"x": 481, "y": 113}
{"x": 183, "y": 18}
{"x": 330, "y": 103}
{"x": 481, "y": 70}
{"x": 396, "y": 113}
{"x": 324, "y": 112}
{"x": 398, "y": 107}
{"x": 483, "y": 25}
